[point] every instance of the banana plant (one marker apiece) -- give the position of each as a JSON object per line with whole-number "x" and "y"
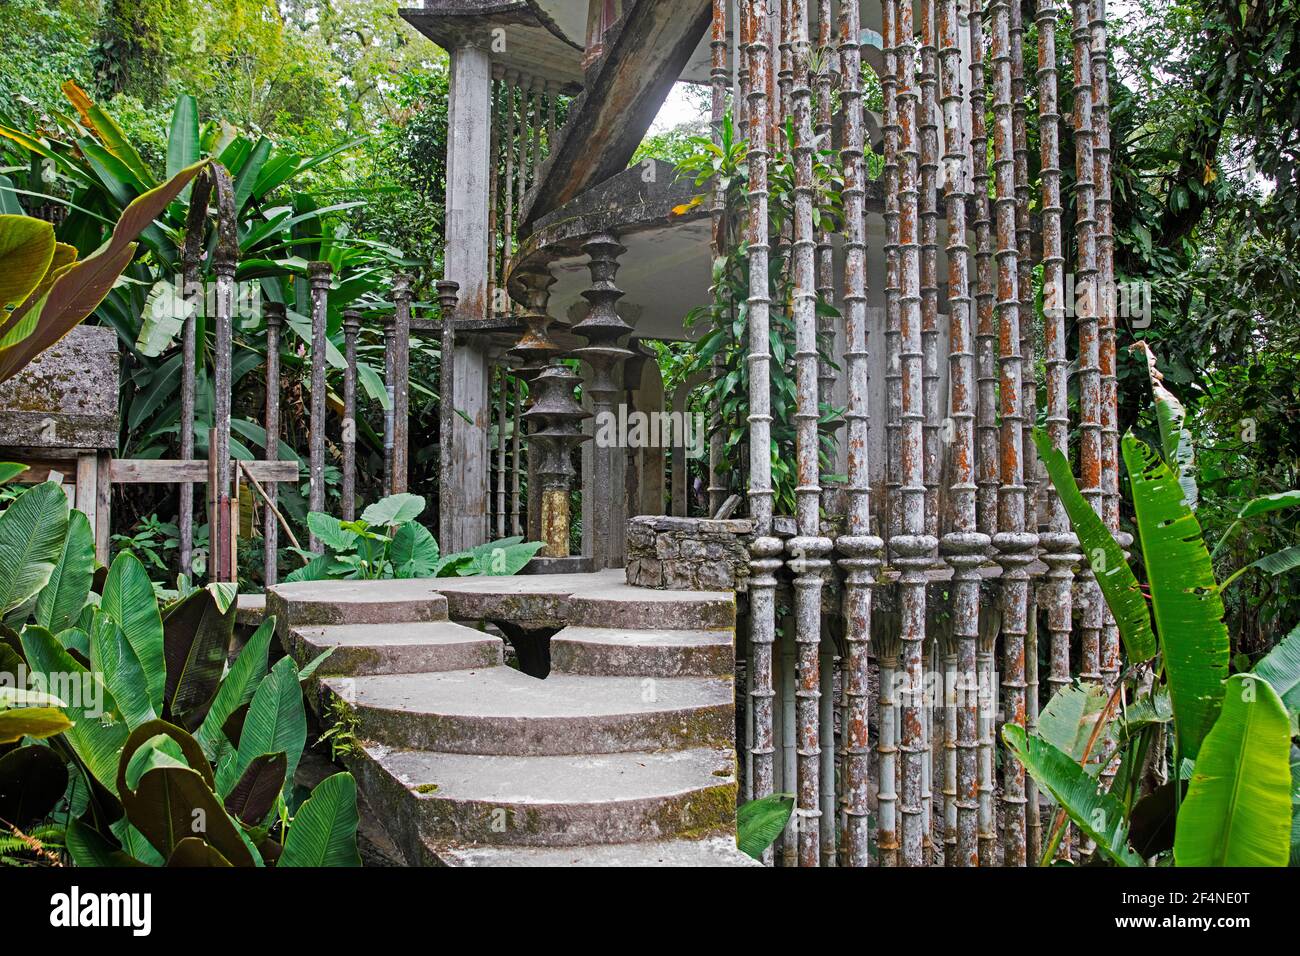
{"x": 1232, "y": 736}
{"x": 46, "y": 290}
{"x": 140, "y": 712}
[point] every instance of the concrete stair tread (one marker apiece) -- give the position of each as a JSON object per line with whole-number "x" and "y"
{"x": 564, "y": 779}
{"x": 652, "y": 652}
{"x": 715, "y": 851}
{"x": 409, "y": 648}
{"x": 505, "y": 692}
{"x": 307, "y": 603}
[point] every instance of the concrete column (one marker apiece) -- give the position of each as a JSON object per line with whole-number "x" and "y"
{"x": 466, "y": 262}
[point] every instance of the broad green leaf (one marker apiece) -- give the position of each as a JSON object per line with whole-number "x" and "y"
{"x": 129, "y": 599}
{"x": 759, "y": 822}
{"x": 1238, "y": 806}
{"x": 374, "y": 385}
{"x": 1281, "y": 668}
{"x": 1175, "y": 440}
{"x": 1105, "y": 556}
{"x": 238, "y": 687}
{"x": 9, "y": 470}
{"x": 1279, "y": 562}
{"x": 324, "y": 830}
{"x": 98, "y": 732}
{"x": 81, "y": 286}
{"x": 112, "y": 655}
{"x": 183, "y": 137}
{"x": 26, "y": 251}
{"x": 276, "y": 722}
{"x": 22, "y": 697}
{"x": 329, "y": 530}
{"x": 253, "y": 797}
{"x": 1185, "y": 599}
{"x": 65, "y": 594}
{"x": 32, "y": 529}
{"x": 414, "y": 551}
{"x": 36, "y": 722}
{"x": 109, "y": 133}
{"x": 1267, "y": 503}
{"x": 196, "y": 639}
{"x": 395, "y": 509}
{"x": 1096, "y": 812}
{"x": 1069, "y": 717}
{"x": 320, "y": 568}
{"x": 90, "y": 849}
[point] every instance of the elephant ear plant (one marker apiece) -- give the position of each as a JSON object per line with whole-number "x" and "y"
{"x": 128, "y": 733}
{"x": 388, "y": 542}
{"x": 1231, "y": 797}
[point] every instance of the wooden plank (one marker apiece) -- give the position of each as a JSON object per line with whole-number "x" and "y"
{"x": 104, "y": 505}
{"x": 163, "y": 471}
{"x": 87, "y": 498}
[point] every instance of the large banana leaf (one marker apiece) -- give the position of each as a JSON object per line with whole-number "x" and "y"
{"x": 238, "y": 687}
{"x": 26, "y": 251}
{"x": 64, "y": 595}
{"x": 128, "y": 599}
{"x": 196, "y": 639}
{"x": 79, "y": 287}
{"x": 1185, "y": 598}
{"x": 1070, "y": 716}
{"x": 276, "y": 723}
{"x": 1175, "y": 440}
{"x": 1281, "y": 668}
{"x": 324, "y": 830}
{"x": 1094, "y": 811}
{"x": 1105, "y": 556}
{"x": 1238, "y": 806}
{"x": 32, "y": 530}
{"x": 98, "y": 731}
{"x": 112, "y": 655}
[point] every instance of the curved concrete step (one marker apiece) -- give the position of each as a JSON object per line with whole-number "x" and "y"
{"x": 714, "y": 851}
{"x": 621, "y": 605}
{"x": 627, "y": 652}
{"x": 364, "y": 649}
{"x": 499, "y": 710}
{"x": 556, "y": 800}
{"x": 312, "y": 603}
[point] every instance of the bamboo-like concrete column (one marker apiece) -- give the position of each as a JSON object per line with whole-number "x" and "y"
{"x": 1014, "y": 543}
{"x": 508, "y": 188}
{"x": 927, "y": 120}
{"x": 822, "y": 130}
{"x": 913, "y": 546}
{"x": 718, "y": 77}
{"x": 1107, "y": 303}
{"x": 930, "y": 437}
{"x": 351, "y": 326}
{"x": 887, "y": 653}
{"x": 1089, "y": 360}
{"x": 1060, "y": 544}
{"x": 859, "y": 548}
{"x": 765, "y": 548}
{"x": 539, "y": 122}
{"x": 809, "y": 548}
{"x": 986, "y": 670}
{"x": 402, "y": 380}
{"x": 1028, "y": 390}
{"x": 552, "y": 97}
{"x": 448, "y": 299}
{"x": 319, "y": 278}
{"x": 225, "y": 256}
{"x": 274, "y": 315}
{"x": 785, "y": 70}
{"x": 986, "y": 427}
{"x": 893, "y": 327}
{"x": 604, "y": 328}
{"x": 390, "y": 354}
{"x": 963, "y": 545}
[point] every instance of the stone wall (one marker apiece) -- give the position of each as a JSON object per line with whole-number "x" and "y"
{"x": 688, "y": 554}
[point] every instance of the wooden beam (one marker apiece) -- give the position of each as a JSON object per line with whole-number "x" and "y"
{"x": 170, "y": 471}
